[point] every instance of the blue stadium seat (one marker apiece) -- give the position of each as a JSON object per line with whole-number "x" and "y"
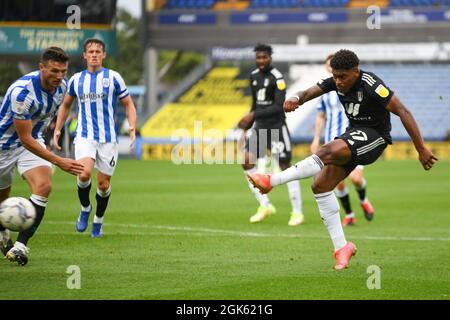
{"x": 428, "y": 99}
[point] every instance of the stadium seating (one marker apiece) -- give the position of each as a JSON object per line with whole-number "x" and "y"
{"x": 424, "y": 89}
{"x": 286, "y": 4}
{"x": 189, "y": 4}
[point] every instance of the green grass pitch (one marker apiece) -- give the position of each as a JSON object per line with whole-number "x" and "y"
{"x": 182, "y": 232}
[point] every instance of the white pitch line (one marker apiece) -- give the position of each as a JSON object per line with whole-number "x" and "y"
{"x": 202, "y": 231}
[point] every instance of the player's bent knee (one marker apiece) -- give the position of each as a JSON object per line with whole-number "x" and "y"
{"x": 103, "y": 185}
{"x": 319, "y": 188}
{"x": 85, "y": 176}
{"x": 43, "y": 188}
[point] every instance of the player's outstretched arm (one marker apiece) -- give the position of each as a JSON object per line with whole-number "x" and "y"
{"x": 63, "y": 113}
{"x": 24, "y": 129}
{"x": 130, "y": 111}
{"x": 301, "y": 97}
{"x": 426, "y": 157}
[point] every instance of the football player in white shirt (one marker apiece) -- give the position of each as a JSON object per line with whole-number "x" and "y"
{"x": 30, "y": 104}
{"x": 331, "y": 114}
{"x": 96, "y": 140}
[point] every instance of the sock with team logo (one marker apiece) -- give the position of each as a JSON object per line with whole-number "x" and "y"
{"x": 306, "y": 168}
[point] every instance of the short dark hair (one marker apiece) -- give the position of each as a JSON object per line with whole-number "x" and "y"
{"x": 260, "y": 47}
{"x": 93, "y": 40}
{"x": 344, "y": 60}
{"x": 54, "y": 53}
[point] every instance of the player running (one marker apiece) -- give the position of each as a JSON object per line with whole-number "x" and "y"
{"x": 96, "y": 142}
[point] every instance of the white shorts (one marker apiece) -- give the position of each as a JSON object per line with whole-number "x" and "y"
{"x": 23, "y": 159}
{"x": 104, "y": 154}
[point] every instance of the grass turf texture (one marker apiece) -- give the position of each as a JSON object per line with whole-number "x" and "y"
{"x": 182, "y": 232}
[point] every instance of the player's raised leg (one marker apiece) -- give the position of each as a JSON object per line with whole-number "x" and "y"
{"x": 336, "y": 152}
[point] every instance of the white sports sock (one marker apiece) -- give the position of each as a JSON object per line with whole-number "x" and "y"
{"x": 39, "y": 200}
{"x": 341, "y": 193}
{"x": 97, "y": 219}
{"x": 86, "y": 209}
{"x": 263, "y": 199}
{"x": 105, "y": 193}
{"x": 306, "y": 168}
{"x": 295, "y": 196}
{"x": 329, "y": 212}
{"x": 363, "y": 185}
{"x": 83, "y": 184}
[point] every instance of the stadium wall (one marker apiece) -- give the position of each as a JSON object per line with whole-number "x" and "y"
{"x": 204, "y": 153}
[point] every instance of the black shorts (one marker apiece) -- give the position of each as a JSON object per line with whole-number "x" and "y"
{"x": 366, "y": 145}
{"x": 278, "y": 140}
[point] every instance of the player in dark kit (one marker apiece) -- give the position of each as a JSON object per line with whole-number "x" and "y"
{"x": 269, "y": 131}
{"x": 368, "y": 103}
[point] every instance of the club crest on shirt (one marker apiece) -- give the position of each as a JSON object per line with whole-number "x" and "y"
{"x": 254, "y": 83}
{"x": 360, "y": 95}
{"x": 106, "y": 82}
{"x": 266, "y": 82}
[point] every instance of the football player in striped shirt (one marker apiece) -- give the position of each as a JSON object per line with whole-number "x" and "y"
{"x": 368, "y": 104}
{"x": 30, "y": 104}
{"x": 98, "y": 91}
{"x": 331, "y": 115}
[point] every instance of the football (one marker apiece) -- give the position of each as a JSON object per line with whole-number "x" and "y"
{"x": 17, "y": 214}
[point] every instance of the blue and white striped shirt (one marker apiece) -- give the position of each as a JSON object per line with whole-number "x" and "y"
{"x": 97, "y": 100}
{"x": 336, "y": 119}
{"x": 26, "y": 100}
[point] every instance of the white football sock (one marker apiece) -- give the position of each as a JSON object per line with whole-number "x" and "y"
{"x": 329, "y": 212}
{"x": 363, "y": 185}
{"x": 341, "y": 193}
{"x": 39, "y": 200}
{"x": 263, "y": 199}
{"x": 97, "y": 219}
{"x": 295, "y": 196}
{"x": 83, "y": 184}
{"x": 86, "y": 209}
{"x": 306, "y": 168}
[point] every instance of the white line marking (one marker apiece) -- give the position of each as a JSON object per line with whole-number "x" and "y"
{"x": 204, "y": 231}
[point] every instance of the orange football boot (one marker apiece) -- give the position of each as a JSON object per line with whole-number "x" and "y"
{"x": 260, "y": 181}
